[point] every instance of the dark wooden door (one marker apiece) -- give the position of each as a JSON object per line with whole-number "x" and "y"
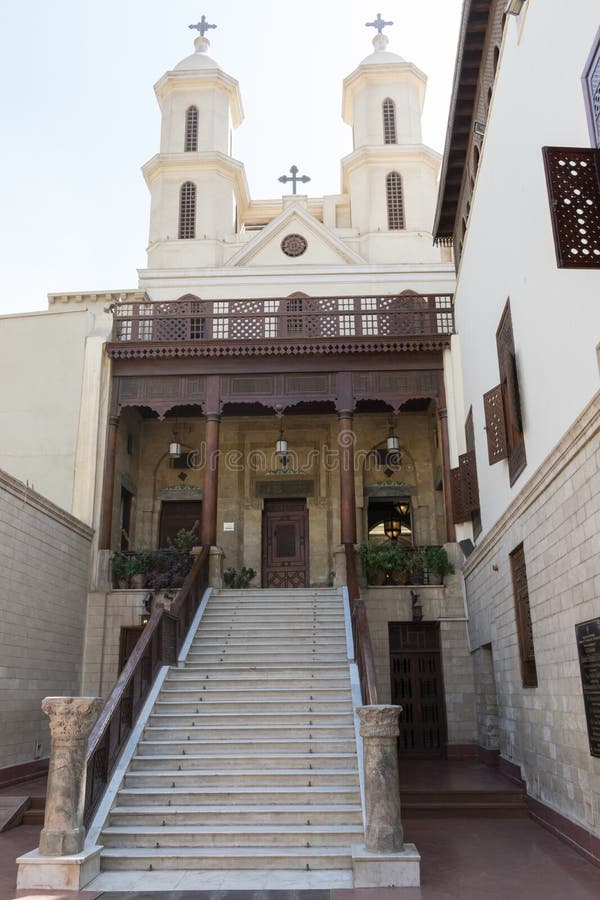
{"x": 178, "y": 514}
{"x": 285, "y": 544}
{"x": 418, "y": 687}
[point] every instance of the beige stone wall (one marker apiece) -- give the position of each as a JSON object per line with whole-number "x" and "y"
{"x": 247, "y": 444}
{"x": 440, "y": 604}
{"x": 106, "y": 614}
{"x": 557, "y": 517}
{"x": 44, "y": 566}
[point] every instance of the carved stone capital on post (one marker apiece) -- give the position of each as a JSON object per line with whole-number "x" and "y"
{"x": 379, "y": 721}
{"x": 383, "y": 823}
{"x": 71, "y": 721}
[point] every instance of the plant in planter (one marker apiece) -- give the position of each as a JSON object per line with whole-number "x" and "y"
{"x": 417, "y": 566}
{"x": 232, "y": 579}
{"x": 373, "y": 557}
{"x": 119, "y": 570}
{"x": 437, "y": 564}
{"x": 398, "y": 562}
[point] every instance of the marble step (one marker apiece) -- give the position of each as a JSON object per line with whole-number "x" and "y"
{"x": 238, "y": 796}
{"x": 250, "y": 747}
{"x": 243, "y": 732}
{"x": 210, "y": 691}
{"x": 257, "y": 814}
{"x": 258, "y": 760}
{"x": 227, "y": 858}
{"x": 266, "y": 645}
{"x": 259, "y": 679}
{"x": 206, "y": 704}
{"x": 250, "y": 719}
{"x": 236, "y": 778}
{"x": 272, "y": 617}
{"x": 303, "y": 667}
{"x": 232, "y": 836}
{"x": 250, "y": 657}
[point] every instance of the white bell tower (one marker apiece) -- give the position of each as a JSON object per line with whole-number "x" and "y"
{"x": 390, "y": 176}
{"x": 195, "y": 184}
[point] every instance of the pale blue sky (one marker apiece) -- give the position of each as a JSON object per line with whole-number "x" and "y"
{"x": 80, "y": 116}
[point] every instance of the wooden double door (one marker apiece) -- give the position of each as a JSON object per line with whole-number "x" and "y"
{"x": 418, "y": 687}
{"x": 285, "y": 544}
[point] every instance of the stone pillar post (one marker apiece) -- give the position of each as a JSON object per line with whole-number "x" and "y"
{"x": 108, "y": 488}
{"x": 383, "y": 825}
{"x": 208, "y": 530}
{"x": 347, "y": 489}
{"x": 71, "y": 721}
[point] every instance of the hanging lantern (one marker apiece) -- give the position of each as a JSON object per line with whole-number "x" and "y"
{"x": 403, "y": 508}
{"x": 392, "y": 528}
{"x": 393, "y": 441}
{"x": 174, "y": 449}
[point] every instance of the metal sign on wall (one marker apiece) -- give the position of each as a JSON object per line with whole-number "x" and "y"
{"x": 588, "y": 646}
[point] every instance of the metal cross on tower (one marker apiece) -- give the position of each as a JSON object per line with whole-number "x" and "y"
{"x": 379, "y": 24}
{"x": 295, "y": 178}
{"x": 202, "y": 26}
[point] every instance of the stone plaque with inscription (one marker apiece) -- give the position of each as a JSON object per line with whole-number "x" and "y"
{"x": 290, "y": 488}
{"x": 588, "y": 646}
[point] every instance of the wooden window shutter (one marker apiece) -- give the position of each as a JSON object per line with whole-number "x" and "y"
{"x": 464, "y": 487}
{"x": 523, "y": 617}
{"x": 511, "y": 401}
{"x": 573, "y": 180}
{"x": 495, "y": 425}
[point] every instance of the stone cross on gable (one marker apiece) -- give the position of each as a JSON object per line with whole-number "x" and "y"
{"x": 379, "y": 24}
{"x": 294, "y": 178}
{"x": 202, "y": 26}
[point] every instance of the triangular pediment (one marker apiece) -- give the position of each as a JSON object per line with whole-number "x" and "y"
{"x": 323, "y": 247}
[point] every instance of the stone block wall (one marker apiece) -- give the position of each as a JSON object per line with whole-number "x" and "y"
{"x": 106, "y": 614}
{"x": 44, "y": 574}
{"x": 440, "y": 604}
{"x": 557, "y": 517}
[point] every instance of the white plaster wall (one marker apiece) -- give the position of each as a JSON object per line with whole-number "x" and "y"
{"x": 41, "y": 376}
{"x": 509, "y": 249}
{"x": 215, "y": 204}
{"x": 214, "y": 121}
{"x": 407, "y": 92}
{"x": 44, "y": 560}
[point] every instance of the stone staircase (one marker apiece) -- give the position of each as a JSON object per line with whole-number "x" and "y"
{"x": 248, "y": 759}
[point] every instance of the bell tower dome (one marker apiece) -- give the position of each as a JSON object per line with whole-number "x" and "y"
{"x": 390, "y": 176}
{"x": 195, "y": 184}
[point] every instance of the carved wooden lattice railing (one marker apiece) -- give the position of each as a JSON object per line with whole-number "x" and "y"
{"x": 360, "y": 632}
{"x": 296, "y": 318}
{"x": 158, "y": 645}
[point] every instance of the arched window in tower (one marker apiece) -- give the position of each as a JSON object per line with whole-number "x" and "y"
{"x": 389, "y": 122}
{"x": 191, "y": 129}
{"x": 187, "y": 211}
{"x": 395, "y": 201}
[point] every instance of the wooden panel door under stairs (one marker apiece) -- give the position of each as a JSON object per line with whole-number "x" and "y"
{"x": 417, "y": 686}
{"x": 285, "y": 544}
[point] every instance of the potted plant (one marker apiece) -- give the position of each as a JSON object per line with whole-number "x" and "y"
{"x": 417, "y": 566}
{"x": 437, "y": 564}
{"x": 373, "y": 557}
{"x": 398, "y": 562}
{"x": 136, "y": 575}
{"x": 119, "y": 570}
{"x": 232, "y": 579}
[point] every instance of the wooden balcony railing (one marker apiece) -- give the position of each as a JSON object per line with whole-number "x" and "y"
{"x": 194, "y": 323}
{"x": 360, "y": 632}
{"x": 158, "y": 645}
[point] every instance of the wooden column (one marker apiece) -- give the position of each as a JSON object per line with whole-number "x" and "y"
{"x": 450, "y": 527}
{"x": 208, "y": 529}
{"x": 347, "y": 490}
{"x": 109, "y": 484}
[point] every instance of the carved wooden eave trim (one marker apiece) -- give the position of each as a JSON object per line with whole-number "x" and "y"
{"x": 208, "y": 349}
{"x": 473, "y": 30}
{"x": 106, "y": 297}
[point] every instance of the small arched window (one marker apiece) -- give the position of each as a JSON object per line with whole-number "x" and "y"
{"x": 191, "y": 129}
{"x": 395, "y": 201}
{"x": 187, "y": 211}
{"x": 389, "y": 122}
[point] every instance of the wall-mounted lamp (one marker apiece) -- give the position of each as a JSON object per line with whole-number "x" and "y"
{"x": 392, "y": 529}
{"x": 393, "y": 441}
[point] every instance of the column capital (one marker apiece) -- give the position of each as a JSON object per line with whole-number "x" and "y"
{"x": 71, "y": 718}
{"x": 379, "y": 721}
